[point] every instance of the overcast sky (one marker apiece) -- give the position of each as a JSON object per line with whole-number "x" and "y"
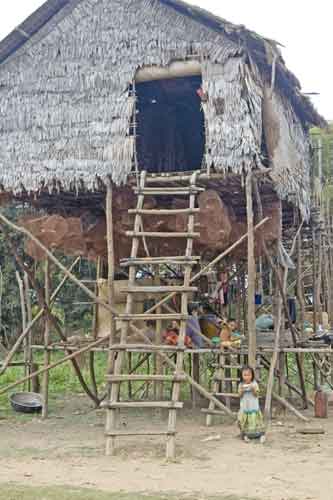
{"x": 303, "y": 27}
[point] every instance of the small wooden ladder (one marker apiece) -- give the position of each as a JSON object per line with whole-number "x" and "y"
{"x": 114, "y": 404}
{"x": 226, "y": 379}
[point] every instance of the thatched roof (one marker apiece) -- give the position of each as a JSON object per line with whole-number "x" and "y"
{"x": 261, "y": 49}
{"x": 66, "y": 110}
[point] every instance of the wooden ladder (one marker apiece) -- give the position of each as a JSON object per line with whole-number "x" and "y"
{"x": 226, "y": 379}
{"x": 114, "y": 404}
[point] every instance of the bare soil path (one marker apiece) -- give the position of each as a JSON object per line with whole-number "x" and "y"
{"x": 68, "y": 449}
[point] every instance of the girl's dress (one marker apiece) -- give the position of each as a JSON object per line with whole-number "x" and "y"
{"x": 250, "y": 418}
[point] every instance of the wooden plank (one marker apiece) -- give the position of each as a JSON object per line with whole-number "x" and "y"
{"x": 221, "y": 378}
{"x": 175, "y": 405}
{"x": 113, "y": 395}
{"x": 159, "y": 290}
{"x": 171, "y": 211}
{"x": 310, "y": 430}
{"x": 117, "y": 433}
{"x": 169, "y": 191}
{"x": 146, "y": 378}
{"x": 147, "y": 234}
{"x": 147, "y": 347}
{"x": 251, "y": 270}
{"x": 160, "y": 261}
{"x": 145, "y": 317}
{"x": 207, "y": 411}
{"x": 144, "y": 260}
{"x": 111, "y": 417}
{"x": 226, "y": 395}
{"x": 45, "y": 383}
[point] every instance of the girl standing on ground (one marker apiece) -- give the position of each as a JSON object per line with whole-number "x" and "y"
{"x": 250, "y": 419}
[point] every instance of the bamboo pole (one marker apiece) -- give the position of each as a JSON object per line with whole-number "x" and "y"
{"x": 171, "y": 443}
{"x": 95, "y": 331}
{"x": 282, "y": 293}
{"x": 158, "y": 386}
{"x": 73, "y": 278}
{"x": 38, "y": 316}
{"x": 319, "y": 280}
{"x": 24, "y": 320}
{"x": 251, "y": 313}
{"x": 29, "y": 315}
{"x": 67, "y": 273}
{"x": 45, "y": 384}
{"x": 41, "y": 371}
{"x": 270, "y": 382}
{"x": 314, "y": 282}
{"x": 289, "y": 407}
{"x": 111, "y": 416}
{"x": 53, "y": 322}
{"x": 300, "y": 286}
{"x": 292, "y": 387}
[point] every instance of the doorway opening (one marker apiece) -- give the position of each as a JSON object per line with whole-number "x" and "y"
{"x": 170, "y": 125}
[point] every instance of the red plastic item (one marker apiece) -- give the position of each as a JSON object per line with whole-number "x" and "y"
{"x": 321, "y": 404}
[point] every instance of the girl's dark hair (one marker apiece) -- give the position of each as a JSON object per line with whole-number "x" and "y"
{"x": 250, "y": 369}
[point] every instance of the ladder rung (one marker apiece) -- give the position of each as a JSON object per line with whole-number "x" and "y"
{"x": 213, "y": 412}
{"x": 172, "y": 211}
{"x": 238, "y": 367}
{"x": 160, "y": 261}
{"x": 158, "y": 289}
{"x": 171, "y": 405}
{"x": 226, "y": 394}
{"x": 152, "y": 316}
{"x": 146, "y": 348}
{"x": 156, "y": 191}
{"x": 140, "y": 433}
{"x": 235, "y": 367}
{"x": 226, "y": 379}
{"x": 146, "y": 378}
{"x": 170, "y": 176}
{"x": 147, "y": 234}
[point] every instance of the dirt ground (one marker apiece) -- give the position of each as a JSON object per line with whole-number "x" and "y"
{"x": 68, "y": 449}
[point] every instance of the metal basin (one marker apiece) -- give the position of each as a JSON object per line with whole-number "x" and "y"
{"x": 26, "y": 402}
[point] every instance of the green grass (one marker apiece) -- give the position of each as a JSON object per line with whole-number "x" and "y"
{"x": 17, "y": 492}
{"x": 63, "y": 381}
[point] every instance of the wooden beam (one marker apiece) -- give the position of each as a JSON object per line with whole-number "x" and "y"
{"x": 251, "y": 273}
{"x": 35, "y": 320}
{"x": 47, "y": 354}
{"x": 111, "y": 416}
{"x": 69, "y": 357}
{"x": 275, "y": 357}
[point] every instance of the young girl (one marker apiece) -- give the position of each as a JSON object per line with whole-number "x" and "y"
{"x": 250, "y": 419}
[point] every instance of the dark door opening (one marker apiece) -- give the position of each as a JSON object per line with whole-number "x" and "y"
{"x": 170, "y": 125}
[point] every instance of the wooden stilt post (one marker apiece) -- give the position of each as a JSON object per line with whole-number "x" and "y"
{"x": 300, "y": 286}
{"x": 29, "y": 337}
{"x": 24, "y": 322}
{"x": 251, "y": 315}
{"x": 95, "y": 329}
{"x": 314, "y": 281}
{"x": 319, "y": 279}
{"x": 45, "y": 411}
{"x": 330, "y": 260}
{"x": 274, "y": 360}
{"x": 35, "y": 320}
{"x": 158, "y": 386}
{"x": 111, "y": 415}
{"x": 171, "y": 440}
